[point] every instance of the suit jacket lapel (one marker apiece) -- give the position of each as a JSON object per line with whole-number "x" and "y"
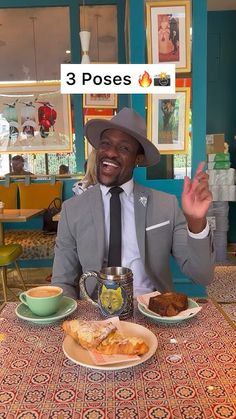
{"x": 96, "y": 205}
{"x": 140, "y": 210}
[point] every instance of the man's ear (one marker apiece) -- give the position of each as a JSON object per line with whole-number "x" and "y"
{"x": 139, "y": 159}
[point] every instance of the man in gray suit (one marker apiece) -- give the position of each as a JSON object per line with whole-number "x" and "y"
{"x": 153, "y": 225}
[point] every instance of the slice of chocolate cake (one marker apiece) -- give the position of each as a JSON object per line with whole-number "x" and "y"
{"x": 168, "y": 304}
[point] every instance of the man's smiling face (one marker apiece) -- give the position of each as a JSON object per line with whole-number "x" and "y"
{"x": 117, "y": 155}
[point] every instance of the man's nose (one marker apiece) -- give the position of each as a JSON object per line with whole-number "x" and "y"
{"x": 113, "y": 150}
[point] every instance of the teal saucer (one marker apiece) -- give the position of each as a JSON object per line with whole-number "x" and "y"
{"x": 68, "y": 306}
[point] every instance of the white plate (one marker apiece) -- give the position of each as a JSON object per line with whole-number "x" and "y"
{"x": 68, "y": 306}
{"x": 174, "y": 319}
{"x": 80, "y": 356}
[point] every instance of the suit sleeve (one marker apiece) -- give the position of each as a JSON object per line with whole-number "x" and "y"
{"x": 66, "y": 266}
{"x": 194, "y": 256}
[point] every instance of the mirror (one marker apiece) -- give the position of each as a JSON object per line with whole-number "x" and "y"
{"x": 33, "y": 43}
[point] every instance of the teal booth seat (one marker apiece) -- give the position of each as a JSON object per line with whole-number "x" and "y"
{"x": 184, "y": 284}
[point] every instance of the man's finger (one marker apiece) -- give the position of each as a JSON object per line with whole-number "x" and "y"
{"x": 187, "y": 184}
{"x": 200, "y": 167}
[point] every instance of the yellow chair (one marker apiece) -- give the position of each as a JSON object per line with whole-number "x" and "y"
{"x": 38, "y": 195}
{"x": 8, "y": 195}
{"x": 9, "y": 253}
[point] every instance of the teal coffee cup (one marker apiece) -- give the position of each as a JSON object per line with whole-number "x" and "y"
{"x": 43, "y": 301}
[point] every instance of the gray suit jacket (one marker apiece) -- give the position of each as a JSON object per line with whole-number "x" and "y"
{"x": 161, "y": 231}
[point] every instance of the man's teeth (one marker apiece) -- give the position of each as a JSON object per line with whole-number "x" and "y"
{"x": 107, "y": 163}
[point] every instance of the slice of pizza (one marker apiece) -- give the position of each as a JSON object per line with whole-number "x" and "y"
{"x": 88, "y": 334}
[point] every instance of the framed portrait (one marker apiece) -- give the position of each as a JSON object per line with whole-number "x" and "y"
{"x": 87, "y": 146}
{"x": 168, "y": 121}
{"x": 35, "y": 118}
{"x": 100, "y": 100}
{"x": 168, "y": 33}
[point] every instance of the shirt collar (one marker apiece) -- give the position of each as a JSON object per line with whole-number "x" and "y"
{"x": 127, "y": 186}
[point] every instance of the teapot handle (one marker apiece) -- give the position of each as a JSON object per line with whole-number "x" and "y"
{"x": 82, "y": 285}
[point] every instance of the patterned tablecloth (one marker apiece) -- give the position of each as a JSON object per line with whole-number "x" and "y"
{"x": 191, "y": 376}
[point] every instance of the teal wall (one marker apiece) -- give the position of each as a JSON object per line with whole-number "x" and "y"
{"x": 221, "y": 87}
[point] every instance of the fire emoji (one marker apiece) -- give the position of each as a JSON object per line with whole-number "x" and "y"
{"x": 145, "y": 80}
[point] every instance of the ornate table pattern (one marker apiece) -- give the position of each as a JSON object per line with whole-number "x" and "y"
{"x": 191, "y": 376}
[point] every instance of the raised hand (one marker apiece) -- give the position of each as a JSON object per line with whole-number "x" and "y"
{"x": 196, "y": 199}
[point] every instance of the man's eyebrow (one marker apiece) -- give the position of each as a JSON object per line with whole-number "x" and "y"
{"x": 121, "y": 141}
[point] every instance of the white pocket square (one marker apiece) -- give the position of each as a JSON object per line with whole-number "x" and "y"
{"x": 157, "y": 225}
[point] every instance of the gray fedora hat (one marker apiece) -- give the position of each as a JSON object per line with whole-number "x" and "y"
{"x": 127, "y": 121}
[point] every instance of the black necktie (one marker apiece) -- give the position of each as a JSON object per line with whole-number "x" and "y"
{"x": 114, "y": 254}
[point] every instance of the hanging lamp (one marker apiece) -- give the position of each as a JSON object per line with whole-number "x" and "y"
{"x": 85, "y": 40}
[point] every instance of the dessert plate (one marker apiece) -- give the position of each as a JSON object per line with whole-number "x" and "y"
{"x": 81, "y": 356}
{"x": 68, "y": 306}
{"x": 193, "y": 309}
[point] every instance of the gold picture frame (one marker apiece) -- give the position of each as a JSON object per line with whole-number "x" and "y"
{"x": 168, "y": 33}
{"x": 168, "y": 121}
{"x": 35, "y": 118}
{"x": 100, "y": 100}
{"x": 87, "y": 146}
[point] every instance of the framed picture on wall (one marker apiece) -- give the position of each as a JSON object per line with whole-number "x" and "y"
{"x": 168, "y": 121}
{"x": 168, "y": 33}
{"x": 87, "y": 146}
{"x": 100, "y": 100}
{"x": 35, "y": 118}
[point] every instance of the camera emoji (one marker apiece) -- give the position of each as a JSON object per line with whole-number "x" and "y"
{"x": 162, "y": 79}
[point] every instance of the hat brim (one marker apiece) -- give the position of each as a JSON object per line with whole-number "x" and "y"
{"x": 95, "y": 127}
